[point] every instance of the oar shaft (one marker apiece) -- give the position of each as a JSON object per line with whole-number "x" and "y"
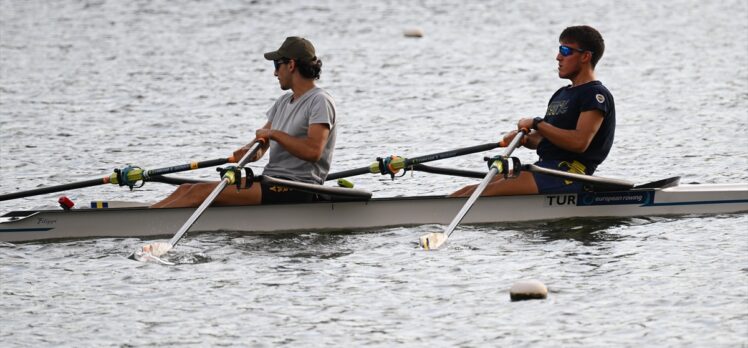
{"x": 420, "y": 159}
{"x": 469, "y": 204}
{"x": 452, "y": 153}
{"x": 482, "y": 186}
{"x": 177, "y": 181}
{"x": 348, "y": 173}
{"x": 186, "y": 167}
{"x": 450, "y": 171}
{"x": 335, "y": 192}
{"x": 51, "y": 189}
{"x": 109, "y": 178}
{"x": 196, "y": 215}
{"x": 212, "y": 196}
{"x": 598, "y": 182}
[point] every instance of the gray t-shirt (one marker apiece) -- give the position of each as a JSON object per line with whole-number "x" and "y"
{"x": 315, "y": 106}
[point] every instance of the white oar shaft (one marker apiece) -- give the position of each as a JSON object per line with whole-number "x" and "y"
{"x": 212, "y": 196}
{"x": 474, "y": 197}
{"x": 434, "y": 240}
{"x": 196, "y": 215}
{"x": 151, "y": 252}
{"x": 482, "y": 186}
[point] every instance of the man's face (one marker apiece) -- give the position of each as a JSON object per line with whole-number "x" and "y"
{"x": 283, "y": 72}
{"x": 569, "y": 59}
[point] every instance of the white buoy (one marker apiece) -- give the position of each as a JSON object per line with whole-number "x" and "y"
{"x": 413, "y": 32}
{"x": 528, "y": 290}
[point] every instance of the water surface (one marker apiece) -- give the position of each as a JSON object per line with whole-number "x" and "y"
{"x": 89, "y": 86}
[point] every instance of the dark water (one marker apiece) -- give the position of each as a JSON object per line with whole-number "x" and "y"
{"x": 86, "y": 87}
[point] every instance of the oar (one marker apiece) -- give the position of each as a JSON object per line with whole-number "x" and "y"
{"x": 394, "y": 164}
{"x": 599, "y": 183}
{"x": 449, "y": 171}
{"x": 435, "y": 239}
{"x": 151, "y": 252}
{"x": 334, "y": 192}
{"x": 127, "y": 176}
{"x": 173, "y": 180}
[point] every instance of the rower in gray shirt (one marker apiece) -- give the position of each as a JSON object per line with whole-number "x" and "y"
{"x": 294, "y": 117}
{"x": 299, "y": 133}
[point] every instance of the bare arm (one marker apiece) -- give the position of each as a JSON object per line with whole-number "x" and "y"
{"x": 530, "y": 141}
{"x": 574, "y": 140}
{"x": 308, "y": 148}
{"x": 241, "y": 151}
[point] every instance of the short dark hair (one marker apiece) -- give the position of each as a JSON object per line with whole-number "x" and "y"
{"x": 588, "y": 39}
{"x": 310, "y": 69}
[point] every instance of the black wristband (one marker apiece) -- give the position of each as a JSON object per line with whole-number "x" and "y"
{"x": 536, "y": 121}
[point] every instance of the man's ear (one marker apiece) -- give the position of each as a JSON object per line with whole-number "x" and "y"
{"x": 587, "y": 57}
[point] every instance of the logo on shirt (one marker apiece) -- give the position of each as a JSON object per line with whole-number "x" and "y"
{"x": 557, "y": 107}
{"x": 600, "y": 98}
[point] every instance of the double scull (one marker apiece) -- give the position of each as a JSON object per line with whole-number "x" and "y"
{"x": 137, "y": 220}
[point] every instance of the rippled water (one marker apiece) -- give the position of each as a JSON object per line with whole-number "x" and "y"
{"x": 89, "y": 86}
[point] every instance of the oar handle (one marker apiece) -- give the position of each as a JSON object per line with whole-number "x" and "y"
{"x": 515, "y": 142}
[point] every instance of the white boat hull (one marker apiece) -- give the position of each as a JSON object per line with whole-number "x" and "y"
{"x": 143, "y": 222}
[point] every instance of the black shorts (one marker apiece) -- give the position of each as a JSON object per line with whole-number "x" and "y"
{"x": 275, "y": 194}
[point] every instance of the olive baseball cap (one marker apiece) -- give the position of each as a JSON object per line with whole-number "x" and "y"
{"x": 294, "y": 47}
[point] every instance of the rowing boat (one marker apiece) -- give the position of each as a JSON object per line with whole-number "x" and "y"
{"x": 137, "y": 220}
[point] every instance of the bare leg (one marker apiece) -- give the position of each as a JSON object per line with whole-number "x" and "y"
{"x": 250, "y": 196}
{"x": 464, "y": 192}
{"x": 192, "y": 195}
{"x": 175, "y": 196}
{"x": 522, "y": 185}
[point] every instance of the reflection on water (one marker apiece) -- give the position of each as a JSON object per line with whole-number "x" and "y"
{"x": 290, "y": 245}
{"x": 588, "y": 231}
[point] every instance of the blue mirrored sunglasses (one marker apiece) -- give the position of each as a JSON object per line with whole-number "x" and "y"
{"x": 567, "y": 51}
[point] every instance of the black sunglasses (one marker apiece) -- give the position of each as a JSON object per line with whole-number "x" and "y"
{"x": 277, "y": 63}
{"x": 567, "y": 51}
